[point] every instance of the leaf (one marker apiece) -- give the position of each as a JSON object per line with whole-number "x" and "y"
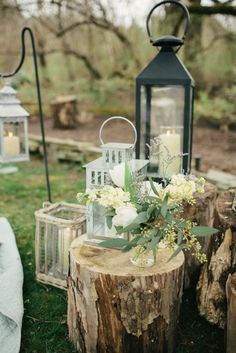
{"x": 164, "y": 206}
{"x": 180, "y": 238}
{"x": 109, "y": 221}
{"x": 150, "y": 210}
{"x": 142, "y": 217}
{"x": 142, "y": 240}
{"x": 201, "y": 231}
{"x": 176, "y": 252}
{"x": 129, "y": 187}
{"x": 153, "y": 187}
{"x": 114, "y": 243}
{"x": 119, "y": 229}
{"x": 131, "y": 227}
{"x": 154, "y": 243}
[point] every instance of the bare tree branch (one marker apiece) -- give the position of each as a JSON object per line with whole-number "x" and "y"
{"x": 213, "y": 10}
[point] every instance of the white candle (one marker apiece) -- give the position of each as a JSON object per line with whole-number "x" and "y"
{"x": 11, "y": 145}
{"x": 171, "y": 141}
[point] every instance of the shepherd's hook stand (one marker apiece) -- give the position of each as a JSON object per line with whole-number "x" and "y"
{"x": 11, "y": 74}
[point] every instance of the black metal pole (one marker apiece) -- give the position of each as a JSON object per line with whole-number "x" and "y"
{"x": 10, "y": 74}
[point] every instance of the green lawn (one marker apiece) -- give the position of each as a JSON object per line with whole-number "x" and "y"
{"x": 44, "y": 326}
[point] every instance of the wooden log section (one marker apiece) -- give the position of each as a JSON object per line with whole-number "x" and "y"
{"x": 231, "y": 313}
{"x": 221, "y": 261}
{"x": 115, "y": 307}
{"x": 64, "y": 112}
{"x": 202, "y": 212}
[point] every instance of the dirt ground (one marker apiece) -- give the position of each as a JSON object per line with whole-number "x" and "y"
{"x": 216, "y": 148}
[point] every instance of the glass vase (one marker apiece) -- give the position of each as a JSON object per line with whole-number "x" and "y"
{"x": 140, "y": 257}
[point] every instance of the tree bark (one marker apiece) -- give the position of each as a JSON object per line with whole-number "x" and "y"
{"x": 202, "y": 212}
{"x": 231, "y": 313}
{"x": 115, "y": 307}
{"x": 221, "y": 261}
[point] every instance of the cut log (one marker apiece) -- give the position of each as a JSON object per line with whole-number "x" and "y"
{"x": 202, "y": 212}
{"x": 221, "y": 261}
{"x": 64, "y": 112}
{"x": 115, "y": 307}
{"x": 231, "y": 314}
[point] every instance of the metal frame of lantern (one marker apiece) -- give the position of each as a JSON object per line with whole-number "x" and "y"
{"x": 13, "y": 128}
{"x": 165, "y": 87}
{"x": 13, "y": 73}
{"x": 57, "y": 225}
{"x": 97, "y": 175}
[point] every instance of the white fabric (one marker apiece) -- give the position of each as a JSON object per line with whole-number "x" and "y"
{"x": 11, "y": 298}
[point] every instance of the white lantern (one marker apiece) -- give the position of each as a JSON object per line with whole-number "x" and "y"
{"x": 97, "y": 175}
{"x": 57, "y": 225}
{"x": 13, "y": 128}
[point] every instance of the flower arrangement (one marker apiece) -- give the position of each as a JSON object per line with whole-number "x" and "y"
{"x": 150, "y": 213}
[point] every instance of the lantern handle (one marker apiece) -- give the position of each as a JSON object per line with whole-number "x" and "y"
{"x": 118, "y": 118}
{"x": 174, "y": 2}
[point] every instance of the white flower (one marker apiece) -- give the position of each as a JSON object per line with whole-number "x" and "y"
{"x": 92, "y": 194}
{"x": 125, "y": 215}
{"x": 110, "y": 196}
{"x": 118, "y": 175}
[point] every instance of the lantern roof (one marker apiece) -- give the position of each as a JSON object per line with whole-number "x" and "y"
{"x": 165, "y": 69}
{"x": 10, "y": 106}
{"x": 100, "y": 164}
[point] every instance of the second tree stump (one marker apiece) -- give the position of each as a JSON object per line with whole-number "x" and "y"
{"x": 115, "y": 307}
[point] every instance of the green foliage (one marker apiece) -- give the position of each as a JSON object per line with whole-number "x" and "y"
{"x": 218, "y": 110}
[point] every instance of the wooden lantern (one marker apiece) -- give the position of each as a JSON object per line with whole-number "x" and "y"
{"x": 57, "y": 225}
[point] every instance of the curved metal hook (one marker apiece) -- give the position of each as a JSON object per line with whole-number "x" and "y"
{"x": 10, "y": 74}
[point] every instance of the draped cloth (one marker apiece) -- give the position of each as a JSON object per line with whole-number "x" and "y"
{"x": 11, "y": 296}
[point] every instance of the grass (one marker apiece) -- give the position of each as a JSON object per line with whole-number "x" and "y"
{"x": 44, "y": 325}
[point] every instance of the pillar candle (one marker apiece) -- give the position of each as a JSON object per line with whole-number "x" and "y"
{"x": 172, "y": 141}
{"x": 11, "y": 145}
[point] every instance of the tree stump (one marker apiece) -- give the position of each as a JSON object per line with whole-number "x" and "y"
{"x": 115, "y": 307}
{"x": 64, "y": 112}
{"x": 221, "y": 261}
{"x": 231, "y": 313}
{"x": 202, "y": 212}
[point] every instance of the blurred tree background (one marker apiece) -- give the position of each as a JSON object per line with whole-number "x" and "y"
{"x": 96, "y": 48}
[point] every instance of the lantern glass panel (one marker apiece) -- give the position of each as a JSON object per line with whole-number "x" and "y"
{"x": 13, "y": 146}
{"x": 163, "y": 114}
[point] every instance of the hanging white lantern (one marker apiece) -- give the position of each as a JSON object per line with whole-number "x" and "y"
{"x": 13, "y": 127}
{"x": 97, "y": 176}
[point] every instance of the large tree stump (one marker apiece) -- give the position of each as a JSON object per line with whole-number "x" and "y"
{"x": 64, "y": 112}
{"x": 231, "y": 313}
{"x": 221, "y": 261}
{"x": 115, "y": 307}
{"x": 202, "y": 212}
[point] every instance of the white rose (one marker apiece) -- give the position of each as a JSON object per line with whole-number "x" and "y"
{"x": 118, "y": 175}
{"x": 125, "y": 215}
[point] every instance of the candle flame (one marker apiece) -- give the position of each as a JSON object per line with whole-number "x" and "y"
{"x": 10, "y": 134}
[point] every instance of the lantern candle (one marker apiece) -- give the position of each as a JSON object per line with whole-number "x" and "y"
{"x": 11, "y": 145}
{"x": 170, "y": 147}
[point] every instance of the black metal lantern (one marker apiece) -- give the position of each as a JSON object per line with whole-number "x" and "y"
{"x": 164, "y": 104}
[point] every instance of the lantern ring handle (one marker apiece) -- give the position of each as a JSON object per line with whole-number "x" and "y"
{"x": 118, "y": 118}
{"x": 174, "y": 2}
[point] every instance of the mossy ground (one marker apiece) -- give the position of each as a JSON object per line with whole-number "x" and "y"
{"x": 44, "y": 326}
